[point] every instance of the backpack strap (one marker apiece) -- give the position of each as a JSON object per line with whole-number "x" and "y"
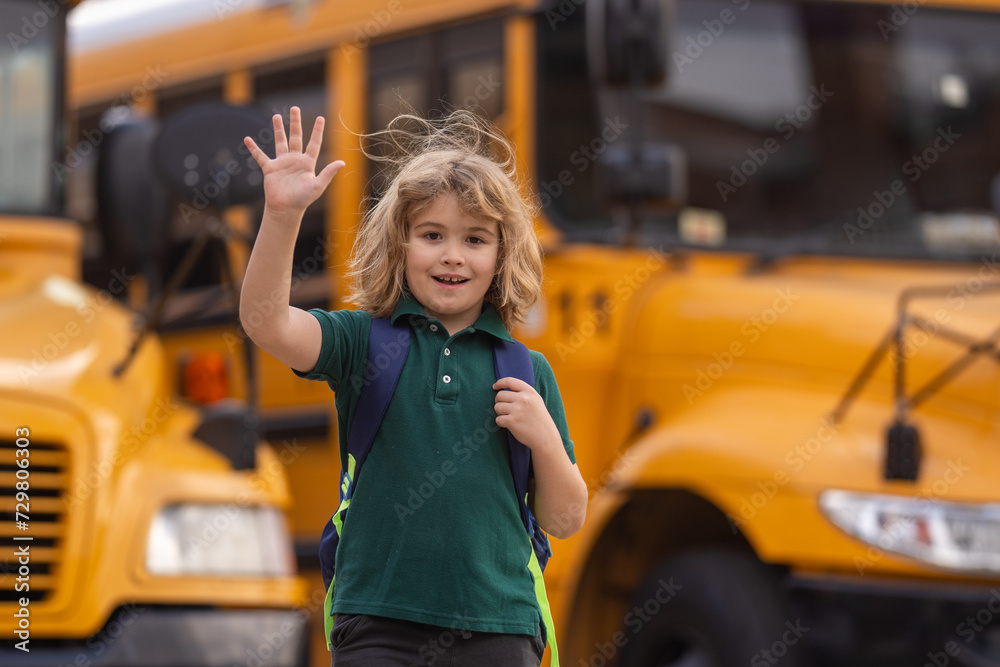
{"x": 512, "y": 359}
{"x": 388, "y": 346}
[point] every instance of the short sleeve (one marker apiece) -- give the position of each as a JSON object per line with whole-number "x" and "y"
{"x": 344, "y": 348}
{"x": 548, "y": 389}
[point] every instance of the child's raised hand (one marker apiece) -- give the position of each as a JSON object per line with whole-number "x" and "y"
{"x": 290, "y": 180}
{"x": 522, "y": 411}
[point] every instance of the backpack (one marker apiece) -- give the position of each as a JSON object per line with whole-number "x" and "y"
{"x": 510, "y": 359}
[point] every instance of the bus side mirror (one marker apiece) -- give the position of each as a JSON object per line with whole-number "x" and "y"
{"x": 653, "y": 173}
{"x": 132, "y": 204}
{"x": 201, "y": 156}
{"x": 627, "y": 41}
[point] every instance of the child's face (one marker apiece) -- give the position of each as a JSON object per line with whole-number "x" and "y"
{"x": 444, "y": 241}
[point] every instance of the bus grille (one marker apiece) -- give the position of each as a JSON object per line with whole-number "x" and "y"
{"x": 46, "y": 524}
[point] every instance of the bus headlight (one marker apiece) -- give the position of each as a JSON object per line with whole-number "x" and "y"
{"x": 219, "y": 540}
{"x": 957, "y": 536}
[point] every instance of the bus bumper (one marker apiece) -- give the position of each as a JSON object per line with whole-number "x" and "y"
{"x": 158, "y": 637}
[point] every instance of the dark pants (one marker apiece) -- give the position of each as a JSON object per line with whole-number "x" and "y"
{"x": 360, "y": 640}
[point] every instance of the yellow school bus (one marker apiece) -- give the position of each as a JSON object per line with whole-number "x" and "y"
{"x": 770, "y": 230}
{"x": 136, "y": 527}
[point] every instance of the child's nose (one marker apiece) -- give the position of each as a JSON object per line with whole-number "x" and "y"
{"x": 452, "y": 254}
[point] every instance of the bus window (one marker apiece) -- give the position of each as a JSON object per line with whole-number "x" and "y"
{"x": 399, "y": 77}
{"x": 459, "y": 67}
{"x": 798, "y": 121}
{"x": 277, "y": 88}
{"x": 472, "y": 64}
{"x": 29, "y": 81}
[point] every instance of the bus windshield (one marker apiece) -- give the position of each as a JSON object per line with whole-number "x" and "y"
{"x": 829, "y": 127}
{"x": 28, "y": 99}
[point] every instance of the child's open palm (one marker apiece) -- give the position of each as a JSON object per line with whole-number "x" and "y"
{"x": 291, "y": 183}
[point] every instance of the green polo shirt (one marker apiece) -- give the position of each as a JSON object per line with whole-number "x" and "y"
{"x": 434, "y": 533}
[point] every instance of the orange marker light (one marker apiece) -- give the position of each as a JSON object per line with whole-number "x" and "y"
{"x": 205, "y": 377}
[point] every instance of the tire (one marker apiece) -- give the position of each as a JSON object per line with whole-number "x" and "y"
{"x": 725, "y": 611}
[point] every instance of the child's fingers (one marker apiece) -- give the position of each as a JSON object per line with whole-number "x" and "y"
{"x": 295, "y": 131}
{"x": 280, "y": 142}
{"x": 505, "y": 397}
{"x": 328, "y": 173}
{"x": 511, "y": 383}
{"x": 256, "y": 152}
{"x": 316, "y": 140}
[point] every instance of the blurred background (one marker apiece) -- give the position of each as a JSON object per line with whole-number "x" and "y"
{"x": 770, "y": 232}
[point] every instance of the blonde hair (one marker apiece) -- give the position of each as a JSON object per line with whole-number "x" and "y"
{"x": 459, "y": 154}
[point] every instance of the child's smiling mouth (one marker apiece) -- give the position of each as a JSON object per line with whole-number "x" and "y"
{"x": 450, "y": 281}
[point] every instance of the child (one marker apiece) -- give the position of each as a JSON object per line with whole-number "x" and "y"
{"x": 432, "y": 564}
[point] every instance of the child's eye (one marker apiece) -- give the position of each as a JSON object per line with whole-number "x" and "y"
{"x": 476, "y": 239}
{"x": 432, "y": 236}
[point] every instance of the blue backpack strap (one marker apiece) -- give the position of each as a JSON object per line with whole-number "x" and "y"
{"x": 388, "y": 346}
{"x": 512, "y": 359}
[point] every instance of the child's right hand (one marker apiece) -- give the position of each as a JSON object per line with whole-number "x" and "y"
{"x": 290, "y": 180}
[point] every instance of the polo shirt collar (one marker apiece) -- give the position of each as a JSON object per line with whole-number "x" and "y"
{"x": 488, "y": 321}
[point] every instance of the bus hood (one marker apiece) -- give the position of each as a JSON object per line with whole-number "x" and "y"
{"x": 763, "y": 359}
{"x": 64, "y": 340}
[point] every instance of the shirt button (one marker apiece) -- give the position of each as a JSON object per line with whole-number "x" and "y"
{"x": 434, "y": 327}
{"x": 447, "y": 379}
{"x": 447, "y": 352}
